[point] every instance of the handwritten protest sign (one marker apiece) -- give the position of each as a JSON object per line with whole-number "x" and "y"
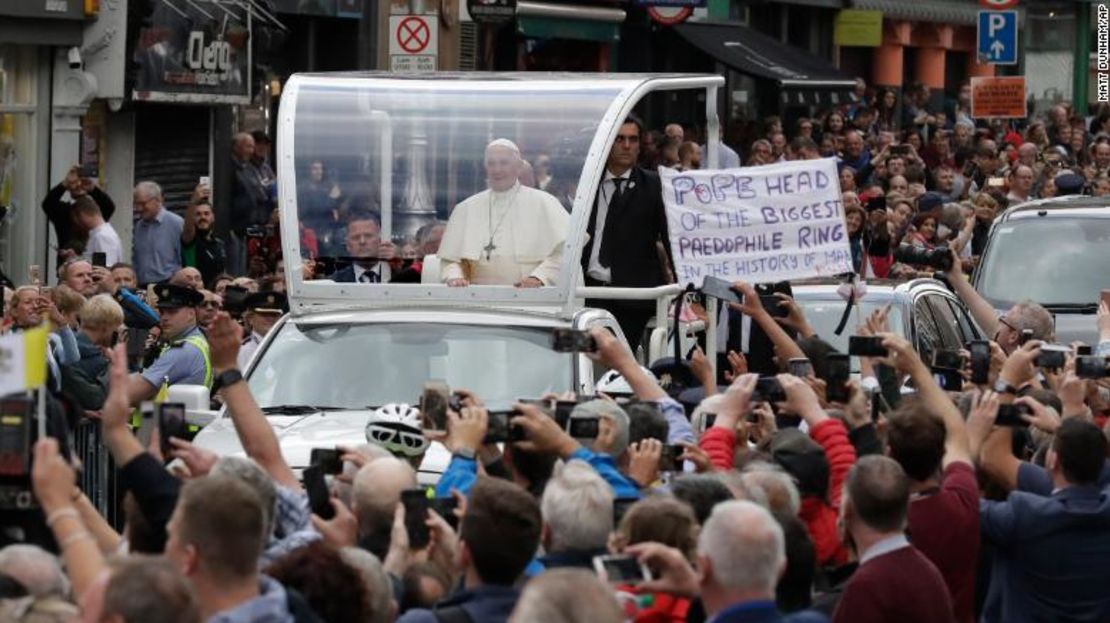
{"x": 758, "y": 224}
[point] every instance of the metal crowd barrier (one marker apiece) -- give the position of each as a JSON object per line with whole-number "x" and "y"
{"x": 97, "y": 478}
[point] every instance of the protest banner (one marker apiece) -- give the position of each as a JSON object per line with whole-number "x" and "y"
{"x": 757, "y": 224}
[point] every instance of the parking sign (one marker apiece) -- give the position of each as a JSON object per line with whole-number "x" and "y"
{"x": 998, "y": 37}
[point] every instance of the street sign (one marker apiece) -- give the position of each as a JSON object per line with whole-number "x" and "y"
{"x": 1001, "y": 97}
{"x": 998, "y": 37}
{"x": 413, "y": 43}
{"x": 998, "y": 5}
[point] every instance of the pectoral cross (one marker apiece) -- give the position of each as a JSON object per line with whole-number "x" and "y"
{"x": 489, "y": 249}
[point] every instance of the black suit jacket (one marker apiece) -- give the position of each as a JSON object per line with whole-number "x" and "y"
{"x": 636, "y": 222}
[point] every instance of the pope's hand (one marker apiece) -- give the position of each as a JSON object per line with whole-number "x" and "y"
{"x": 457, "y": 283}
{"x": 529, "y": 282}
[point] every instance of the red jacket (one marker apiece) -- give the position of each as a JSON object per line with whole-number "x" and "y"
{"x": 818, "y": 515}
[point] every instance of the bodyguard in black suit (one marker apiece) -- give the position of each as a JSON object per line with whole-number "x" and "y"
{"x": 627, "y": 222}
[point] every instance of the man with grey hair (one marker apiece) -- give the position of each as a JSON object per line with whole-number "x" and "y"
{"x": 567, "y": 596}
{"x": 612, "y": 436}
{"x": 741, "y": 555}
{"x": 377, "y": 490}
{"x": 775, "y": 484}
{"x": 156, "y": 240}
{"x": 36, "y": 569}
{"x": 577, "y": 509}
{"x": 1006, "y": 328}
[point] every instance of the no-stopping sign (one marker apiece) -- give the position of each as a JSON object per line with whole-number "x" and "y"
{"x": 413, "y": 42}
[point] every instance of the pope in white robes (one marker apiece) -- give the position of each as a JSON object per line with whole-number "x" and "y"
{"x": 509, "y": 234}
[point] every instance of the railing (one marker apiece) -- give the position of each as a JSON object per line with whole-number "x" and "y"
{"x": 97, "y": 478}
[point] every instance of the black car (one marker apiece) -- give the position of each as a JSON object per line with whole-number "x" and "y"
{"x": 1055, "y": 252}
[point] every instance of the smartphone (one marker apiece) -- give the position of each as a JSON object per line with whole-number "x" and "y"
{"x": 584, "y": 427}
{"x": 171, "y": 423}
{"x": 99, "y": 258}
{"x": 316, "y": 486}
{"x": 866, "y": 346}
{"x": 1083, "y": 350}
{"x": 800, "y": 367}
{"x": 710, "y": 419}
{"x": 433, "y": 405}
{"x": 980, "y": 361}
{"x": 572, "y": 341}
{"x": 719, "y": 289}
{"x": 416, "y": 505}
{"x": 1010, "y": 415}
{"x": 768, "y": 389}
{"x": 34, "y": 274}
{"x": 328, "y": 460}
{"x": 89, "y": 171}
{"x": 16, "y": 423}
{"x": 205, "y": 181}
{"x": 876, "y": 203}
{"x": 996, "y": 182}
{"x": 668, "y": 459}
{"x": 1026, "y": 335}
{"x": 948, "y": 359}
{"x": 445, "y": 507}
{"x": 899, "y": 150}
{"x": 619, "y": 569}
{"x": 949, "y": 380}
{"x": 562, "y": 412}
{"x": 840, "y": 370}
{"x": 500, "y": 429}
{"x": 1090, "y": 367}
{"x": 1052, "y": 356}
{"x": 771, "y": 303}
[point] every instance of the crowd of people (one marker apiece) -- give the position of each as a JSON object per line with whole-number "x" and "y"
{"x": 768, "y": 498}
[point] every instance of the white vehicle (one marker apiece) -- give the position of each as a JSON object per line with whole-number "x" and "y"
{"x": 411, "y": 148}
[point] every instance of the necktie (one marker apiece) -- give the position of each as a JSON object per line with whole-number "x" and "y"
{"x": 618, "y": 182}
{"x": 605, "y": 253}
{"x": 369, "y": 277}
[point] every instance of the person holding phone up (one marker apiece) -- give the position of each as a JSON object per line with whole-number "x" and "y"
{"x": 104, "y": 247}
{"x": 58, "y": 205}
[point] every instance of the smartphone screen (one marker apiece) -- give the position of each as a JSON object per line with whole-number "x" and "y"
{"x": 562, "y": 412}
{"x": 621, "y": 569}
{"x": 1010, "y": 415}
{"x": 416, "y": 504}
{"x": 980, "y": 361}
{"x": 500, "y": 430}
{"x": 328, "y": 460}
{"x": 866, "y": 346}
{"x": 583, "y": 427}
{"x": 572, "y": 341}
{"x": 800, "y": 368}
{"x": 316, "y": 486}
{"x": 720, "y": 289}
{"x": 433, "y": 405}
{"x": 948, "y": 380}
{"x": 445, "y": 507}
{"x": 171, "y": 423}
{"x": 668, "y": 460}
{"x": 840, "y": 370}
{"x": 99, "y": 258}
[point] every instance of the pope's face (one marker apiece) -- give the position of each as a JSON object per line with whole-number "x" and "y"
{"x": 502, "y": 167}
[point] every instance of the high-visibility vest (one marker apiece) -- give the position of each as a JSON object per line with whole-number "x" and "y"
{"x": 201, "y": 344}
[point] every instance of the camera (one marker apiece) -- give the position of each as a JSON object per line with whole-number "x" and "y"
{"x": 572, "y": 341}
{"x": 938, "y": 258}
{"x": 74, "y": 57}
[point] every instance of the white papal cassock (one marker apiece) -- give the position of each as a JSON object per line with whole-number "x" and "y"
{"x": 501, "y": 237}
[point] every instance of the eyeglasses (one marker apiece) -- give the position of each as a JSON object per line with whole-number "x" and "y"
{"x": 211, "y": 305}
{"x": 1002, "y": 320}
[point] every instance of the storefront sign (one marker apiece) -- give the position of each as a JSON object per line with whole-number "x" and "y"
{"x": 858, "y": 27}
{"x": 491, "y": 11}
{"x": 186, "y": 56}
{"x": 759, "y": 224}
{"x": 998, "y": 97}
{"x": 413, "y": 42}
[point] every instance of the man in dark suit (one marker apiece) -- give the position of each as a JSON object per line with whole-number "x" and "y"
{"x": 626, "y": 225}
{"x": 1053, "y": 551}
{"x": 741, "y": 556}
{"x": 364, "y": 240}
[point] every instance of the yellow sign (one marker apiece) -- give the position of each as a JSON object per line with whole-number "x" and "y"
{"x": 857, "y": 27}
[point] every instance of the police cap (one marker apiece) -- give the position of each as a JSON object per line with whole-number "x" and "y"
{"x": 1068, "y": 184}
{"x": 171, "y": 296}
{"x": 267, "y": 303}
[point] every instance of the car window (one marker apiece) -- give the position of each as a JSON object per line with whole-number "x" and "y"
{"x": 354, "y": 366}
{"x": 927, "y": 336}
{"x": 968, "y": 332}
{"x": 824, "y": 315}
{"x": 1048, "y": 260}
{"x": 947, "y": 326}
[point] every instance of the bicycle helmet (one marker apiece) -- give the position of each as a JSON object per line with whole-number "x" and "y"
{"x": 397, "y": 428}
{"x": 613, "y": 384}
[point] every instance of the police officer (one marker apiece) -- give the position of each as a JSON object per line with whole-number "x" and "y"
{"x": 263, "y": 310}
{"x": 184, "y": 358}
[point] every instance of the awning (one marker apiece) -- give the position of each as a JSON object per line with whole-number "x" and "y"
{"x": 804, "y": 78}
{"x": 960, "y": 12}
{"x": 551, "y": 20}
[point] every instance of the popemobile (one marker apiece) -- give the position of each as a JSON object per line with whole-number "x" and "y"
{"x": 419, "y": 156}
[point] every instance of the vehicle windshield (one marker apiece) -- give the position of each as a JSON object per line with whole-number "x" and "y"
{"x": 354, "y": 366}
{"x": 1048, "y": 260}
{"x": 481, "y": 174}
{"x": 824, "y": 315}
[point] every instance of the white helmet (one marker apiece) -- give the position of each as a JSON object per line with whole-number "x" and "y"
{"x": 397, "y": 428}
{"x": 613, "y": 384}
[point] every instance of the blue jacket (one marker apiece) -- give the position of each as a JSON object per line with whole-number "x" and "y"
{"x": 462, "y": 473}
{"x": 1052, "y": 556}
{"x": 764, "y": 612}
{"x": 484, "y": 604}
